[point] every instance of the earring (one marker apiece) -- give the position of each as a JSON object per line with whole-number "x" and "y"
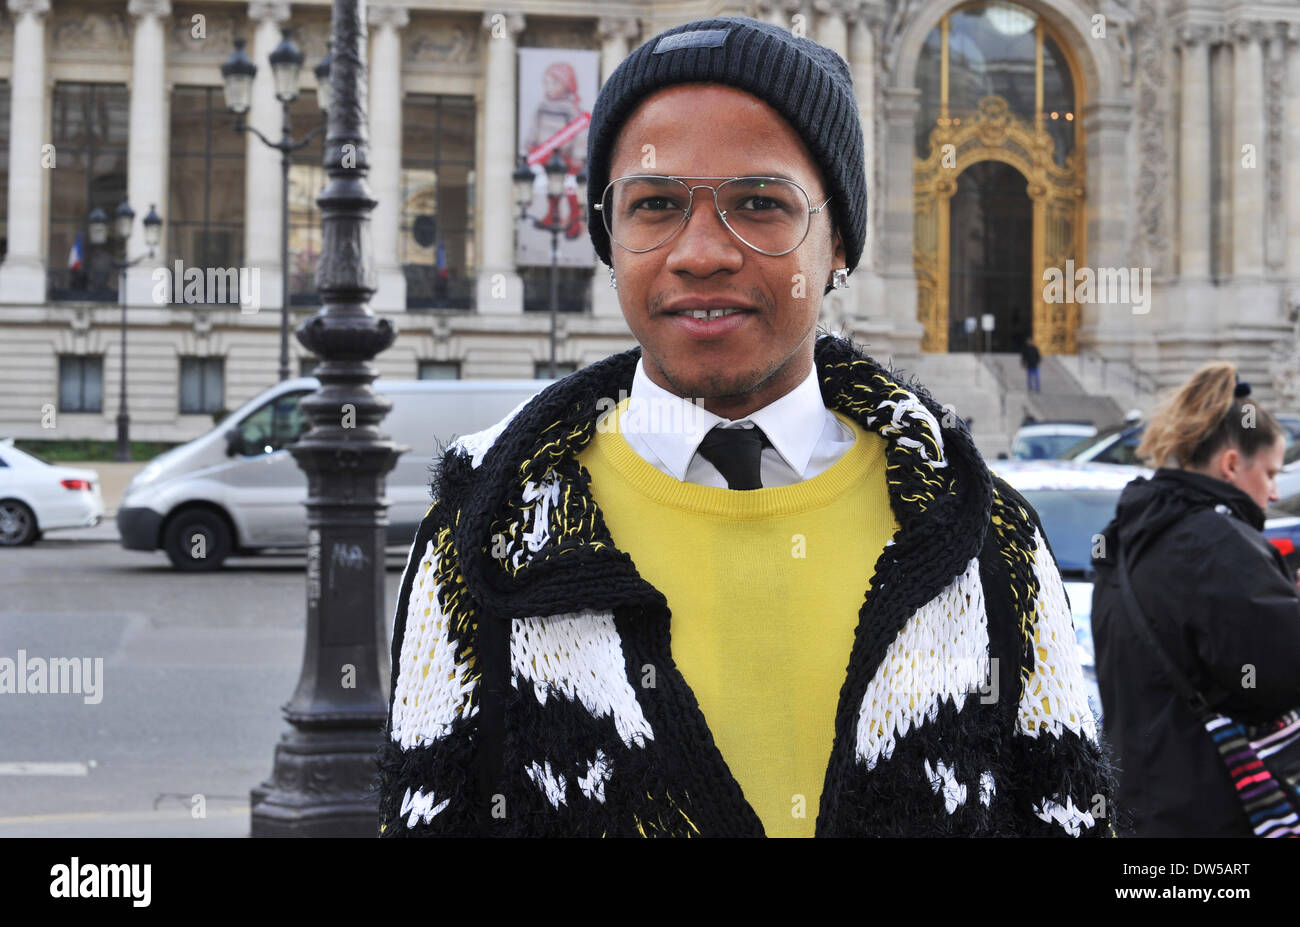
{"x": 840, "y": 278}
{"x": 612, "y": 281}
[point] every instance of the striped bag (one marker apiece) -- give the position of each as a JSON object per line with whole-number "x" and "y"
{"x": 1263, "y": 760}
{"x": 1264, "y": 763}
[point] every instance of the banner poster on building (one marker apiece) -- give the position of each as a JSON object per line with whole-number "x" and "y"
{"x": 557, "y": 87}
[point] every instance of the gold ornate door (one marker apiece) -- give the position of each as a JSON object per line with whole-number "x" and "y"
{"x": 992, "y": 131}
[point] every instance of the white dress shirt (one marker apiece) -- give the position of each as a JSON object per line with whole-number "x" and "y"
{"x": 666, "y": 430}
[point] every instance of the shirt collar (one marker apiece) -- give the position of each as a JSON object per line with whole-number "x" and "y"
{"x": 793, "y": 423}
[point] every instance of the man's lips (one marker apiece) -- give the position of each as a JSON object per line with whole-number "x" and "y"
{"x": 708, "y": 329}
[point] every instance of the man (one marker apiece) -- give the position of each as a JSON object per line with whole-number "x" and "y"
{"x": 1030, "y": 358}
{"x": 631, "y": 614}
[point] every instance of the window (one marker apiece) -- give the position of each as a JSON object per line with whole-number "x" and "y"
{"x": 993, "y": 50}
{"x": 274, "y": 426}
{"x": 4, "y": 168}
{"x": 439, "y": 370}
{"x": 307, "y": 179}
{"x": 436, "y": 243}
{"x": 205, "y": 218}
{"x": 572, "y": 290}
{"x": 90, "y": 139}
{"x": 542, "y": 369}
{"x": 203, "y": 384}
{"x": 81, "y": 383}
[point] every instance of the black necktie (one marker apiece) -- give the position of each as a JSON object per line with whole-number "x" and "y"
{"x": 736, "y": 453}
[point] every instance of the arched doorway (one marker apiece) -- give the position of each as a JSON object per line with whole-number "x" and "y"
{"x": 997, "y": 87}
{"x": 990, "y": 269}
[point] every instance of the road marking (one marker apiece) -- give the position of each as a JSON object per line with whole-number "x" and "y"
{"x": 44, "y": 769}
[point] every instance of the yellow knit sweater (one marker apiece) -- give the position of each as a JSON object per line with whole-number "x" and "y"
{"x": 765, "y": 587}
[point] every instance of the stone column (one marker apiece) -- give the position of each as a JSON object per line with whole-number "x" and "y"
{"x": 386, "y": 151}
{"x": 262, "y": 179}
{"x": 22, "y": 276}
{"x": 832, "y": 30}
{"x": 146, "y": 171}
{"x": 1194, "y": 157}
{"x": 863, "y": 22}
{"x": 899, "y": 220}
{"x": 1291, "y": 183}
{"x": 500, "y": 289}
{"x": 617, "y": 33}
{"x": 1107, "y": 123}
{"x": 1249, "y": 172}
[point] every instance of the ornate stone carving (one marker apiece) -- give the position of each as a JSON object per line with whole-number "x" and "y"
{"x": 498, "y": 24}
{"x": 78, "y": 30}
{"x": 387, "y": 14}
{"x": 1155, "y": 197}
{"x": 1193, "y": 34}
{"x": 1275, "y": 96}
{"x": 215, "y": 40}
{"x": 312, "y": 35}
{"x": 23, "y": 7}
{"x": 443, "y": 42}
{"x": 896, "y": 20}
{"x": 1284, "y": 364}
{"x": 1243, "y": 31}
{"x": 617, "y": 27}
{"x": 559, "y": 33}
{"x": 1120, "y": 20}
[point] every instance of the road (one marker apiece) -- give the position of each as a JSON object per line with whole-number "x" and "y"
{"x": 195, "y": 669}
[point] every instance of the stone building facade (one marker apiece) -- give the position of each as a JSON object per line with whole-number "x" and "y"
{"x": 1136, "y": 145}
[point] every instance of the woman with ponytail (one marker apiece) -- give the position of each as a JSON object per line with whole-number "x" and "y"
{"x": 1219, "y": 600}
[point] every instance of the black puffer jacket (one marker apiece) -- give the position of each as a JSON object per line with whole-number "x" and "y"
{"x": 1221, "y": 601}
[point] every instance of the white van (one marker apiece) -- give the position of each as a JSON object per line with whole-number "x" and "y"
{"x": 242, "y": 491}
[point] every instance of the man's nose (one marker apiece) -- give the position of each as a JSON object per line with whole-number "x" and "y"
{"x": 704, "y": 243}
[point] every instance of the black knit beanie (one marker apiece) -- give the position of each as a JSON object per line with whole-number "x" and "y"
{"x": 805, "y": 82}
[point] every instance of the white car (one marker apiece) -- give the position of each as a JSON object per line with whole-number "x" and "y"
{"x": 36, "y": 496}
{"x": 1047, "y": 440}
{"x": 1074, "y": 501}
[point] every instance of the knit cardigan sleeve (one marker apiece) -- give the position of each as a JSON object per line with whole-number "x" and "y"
{"x": 426, "y": 763}
{"x": 1063, "y": 784}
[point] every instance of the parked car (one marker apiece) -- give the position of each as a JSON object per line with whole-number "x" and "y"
{"x": 1074, "y": 501}
{"x": 1282, "y": 519}
{"x": 37, "y": 496}
{"x": 1047, "y": 440}
{"x": 1119, "y": 444}
{"x": 237, "y": 489}
{"x": 1115, "y": 445}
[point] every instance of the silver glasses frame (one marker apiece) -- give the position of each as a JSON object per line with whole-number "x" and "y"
{"x": 690, "y": 208}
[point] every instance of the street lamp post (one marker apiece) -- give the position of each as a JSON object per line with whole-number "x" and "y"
{"x": 123, "y": 224}
{"x": 523, "y": 180}
{"x": 325, "y": 762}
{"x": 237, "y": 75}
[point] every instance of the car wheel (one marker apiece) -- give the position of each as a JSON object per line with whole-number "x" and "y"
{"x": 197, "y": 540}
{"x": 17, "y": 524}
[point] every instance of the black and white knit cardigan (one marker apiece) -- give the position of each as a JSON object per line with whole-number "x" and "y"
{"x": 534, "y": 690}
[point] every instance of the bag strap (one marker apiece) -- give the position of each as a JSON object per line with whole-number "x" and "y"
{"x": 1182, "y": 685}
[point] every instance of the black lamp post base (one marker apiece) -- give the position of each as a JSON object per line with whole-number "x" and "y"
{"x": 122, "y": 454}
{"x": 322, "y": 786}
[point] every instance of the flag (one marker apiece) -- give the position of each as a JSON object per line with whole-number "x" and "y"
{"x": 74, "y": 255}
{"x": 442, "y": 256}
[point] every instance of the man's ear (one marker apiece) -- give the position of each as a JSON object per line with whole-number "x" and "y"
{"x": 838, "y": 258}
